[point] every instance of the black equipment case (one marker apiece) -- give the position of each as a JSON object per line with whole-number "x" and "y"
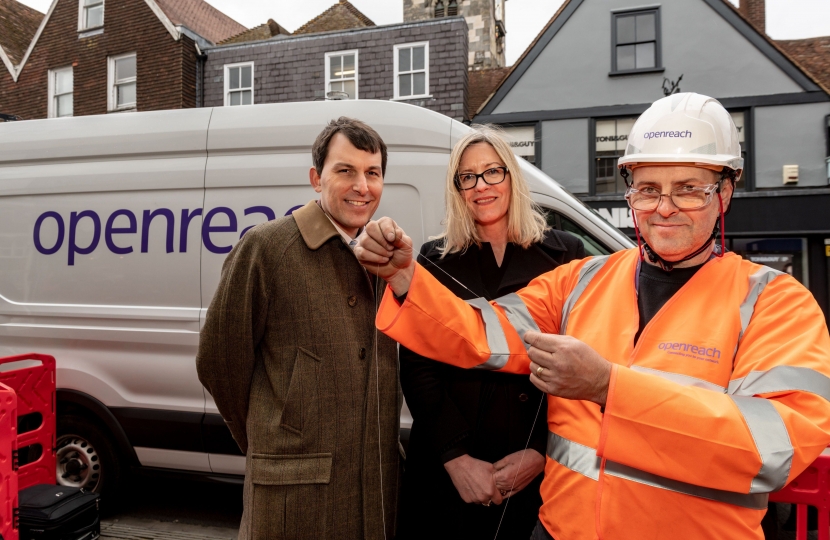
{"x": 49, "y": 512}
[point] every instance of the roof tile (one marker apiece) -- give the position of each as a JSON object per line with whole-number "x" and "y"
{"x": 18, "y": 25}
{"x": 258, "y": 33}
{"x": 341, "y": 16}
{"x": 813, "y": 54}
{"x": 482, "y": 83}
{"x": 202, "y": 18}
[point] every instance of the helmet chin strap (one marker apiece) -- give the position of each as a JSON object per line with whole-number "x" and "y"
{"x": 668, "y": 266}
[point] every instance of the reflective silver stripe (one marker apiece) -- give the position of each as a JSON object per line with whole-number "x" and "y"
{"x": 586, "y": 274}
{"x": 584, "y": 460}
{"x": 772, "y": 441}
{"x": 684, "y": 380}
{"x": 782, "y": 379}
{"x": 496, "y": 340}
{"x": 757, "y": 282}
{"x": 518, "y": 315}
{"x": 757, "y": 501}
{"x": 574, "y": 456}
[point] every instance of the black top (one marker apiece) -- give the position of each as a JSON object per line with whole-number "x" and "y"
{"x": 485, "y": 414}
{"x": 656, "y": 287}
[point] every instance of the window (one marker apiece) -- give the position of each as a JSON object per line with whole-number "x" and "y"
{"x": 239, "y": 84}
{"x": 91, "y": 14}
{"x": 122, "y": 82}
{"x": 522, "y": 140}
{"x": 412, "y": 70}
{"x": 451, "y": 9}
{"x": 561, "y": 223}
{"x": 610, "y": 142}
{"x": 635, "y": 41}
{"x": 341, "y": 73}
{"x": 739, "y": 117}
{"x": 60, "y": 92}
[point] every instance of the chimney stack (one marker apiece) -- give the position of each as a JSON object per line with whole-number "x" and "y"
{"x": 755, "y": 12}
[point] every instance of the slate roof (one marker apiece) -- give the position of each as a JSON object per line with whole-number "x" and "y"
{"x": 813, "y": 54}
{"x": 341, "y": 16}
{"x": 481, "y": 84}
{"x": 202, "y": 18}
{"x": 18, "y": 25}
{"x": 258, "y": 33}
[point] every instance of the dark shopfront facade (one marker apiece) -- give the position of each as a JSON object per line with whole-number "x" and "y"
{"x": 786, "y": 230}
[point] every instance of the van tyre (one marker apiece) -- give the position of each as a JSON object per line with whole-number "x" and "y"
{"x": 86, "y": 458}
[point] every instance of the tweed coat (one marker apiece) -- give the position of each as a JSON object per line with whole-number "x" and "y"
{"x": 288, "y": 353}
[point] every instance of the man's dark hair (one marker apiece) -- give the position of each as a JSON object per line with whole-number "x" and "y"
{"x": 359, "y": 134}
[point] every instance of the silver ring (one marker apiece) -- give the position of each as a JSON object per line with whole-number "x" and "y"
{"x": 488, "y": 503}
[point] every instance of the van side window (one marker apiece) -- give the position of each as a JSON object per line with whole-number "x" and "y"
{"x": 561, "y": 223}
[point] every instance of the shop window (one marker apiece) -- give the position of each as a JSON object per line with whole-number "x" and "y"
{"x": 635, "y": 41}
{"x": 60, "y": 92}
{"x": 91, "y": 14}
{"x": 609, "y": 145}
{"x": 341, "y": 73}
{"x": 787, "y": 255}
{"x": 523, "y": 141}
{"x": 411, "y": 70}
{"x": 739, "y": 117}
{"x": 122, "y": 82}
{"x": 239, "y": 84}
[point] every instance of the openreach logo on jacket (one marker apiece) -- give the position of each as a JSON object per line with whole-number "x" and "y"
{"x": 667, "y": 134}
{"x": 121, "y": 233}
{"x": 697, "y": 352}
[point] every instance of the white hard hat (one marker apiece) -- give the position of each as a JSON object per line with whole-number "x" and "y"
{"x": 684, "y": 128}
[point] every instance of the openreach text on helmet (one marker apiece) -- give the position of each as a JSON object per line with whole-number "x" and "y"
{"x": 667, "y": 134}
{"x": 117, "y": 235}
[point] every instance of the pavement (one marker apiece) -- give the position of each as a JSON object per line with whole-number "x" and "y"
{"x": 154, "y": 508}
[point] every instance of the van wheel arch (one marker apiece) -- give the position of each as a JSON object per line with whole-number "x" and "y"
{"x": 75, "y": 403}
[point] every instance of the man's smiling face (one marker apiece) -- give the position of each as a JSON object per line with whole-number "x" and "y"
{"x": 350, "y": 184}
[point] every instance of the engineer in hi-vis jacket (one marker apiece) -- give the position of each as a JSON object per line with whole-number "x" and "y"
{"x": 684, "y": 382}
{"x": 290, "y": 354}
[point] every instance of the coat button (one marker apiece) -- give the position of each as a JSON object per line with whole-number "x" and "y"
{"x": 352, "y": 301}
{"x": 522, "y": 397}
{"x": 362, "y": 353}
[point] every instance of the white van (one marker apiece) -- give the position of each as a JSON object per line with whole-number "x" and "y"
{"x": 113, "y": 230}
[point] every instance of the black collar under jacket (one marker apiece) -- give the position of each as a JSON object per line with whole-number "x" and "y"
{"x": 555, "y": 249}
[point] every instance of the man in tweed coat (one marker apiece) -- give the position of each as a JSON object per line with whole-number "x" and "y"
{"x": 290, "y": 354}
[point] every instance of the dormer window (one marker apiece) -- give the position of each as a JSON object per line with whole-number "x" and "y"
{"x": 91, "y": 14}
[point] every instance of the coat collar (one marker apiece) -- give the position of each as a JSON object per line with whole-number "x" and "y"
{"x": 315, "y": 227}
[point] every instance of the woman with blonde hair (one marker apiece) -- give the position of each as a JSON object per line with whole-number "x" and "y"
{"x": 470, "y": 429}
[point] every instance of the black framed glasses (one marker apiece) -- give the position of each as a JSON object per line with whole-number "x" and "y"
{"x": 684, "y": 197}
{"x": 492, "y": 176}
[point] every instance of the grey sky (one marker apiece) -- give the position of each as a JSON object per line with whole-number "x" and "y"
{"x": 786, "y": 19}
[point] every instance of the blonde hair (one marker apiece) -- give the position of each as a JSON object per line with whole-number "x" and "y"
{"x": 525, "y": 223}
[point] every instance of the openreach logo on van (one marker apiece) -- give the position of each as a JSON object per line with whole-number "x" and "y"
{"x": 667, "y": 134}
{"x": 120, "y": 230}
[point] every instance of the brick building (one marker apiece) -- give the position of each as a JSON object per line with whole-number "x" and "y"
{"x": 485, "y": 26}
{"x": 100, "y": 56}
{"x": 422, "y": 63}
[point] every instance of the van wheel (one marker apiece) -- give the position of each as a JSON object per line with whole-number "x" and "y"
{"x": 85, "y": 458}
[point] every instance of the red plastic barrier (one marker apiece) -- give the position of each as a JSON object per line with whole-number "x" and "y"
{"x": 8, "y": 476}
{"x": 35, "y": 388}
{"x": 810, "y": 488}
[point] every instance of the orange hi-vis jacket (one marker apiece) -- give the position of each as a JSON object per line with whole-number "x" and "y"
{"x": 724, "y": 398}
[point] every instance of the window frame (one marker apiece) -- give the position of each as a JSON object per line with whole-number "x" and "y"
{"x": 327, "y": 64}
{"x": 592, "y": 154}
{"x": 226, "y": 81}
{"x": 658, "y": 41}
{"x": 81, "y": 19}
{"x": 51, "y": 107}
{"x": 112, "y": 97}
{"x": 396, "y": 73}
